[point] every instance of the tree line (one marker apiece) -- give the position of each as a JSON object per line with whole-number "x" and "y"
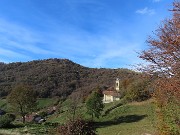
{"x": 164, "y": 58}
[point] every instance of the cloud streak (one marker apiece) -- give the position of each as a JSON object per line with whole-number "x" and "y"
{"x": 145, "y": 11}
{"x": 89, "y": 49}
{"x": 11, "y": 54}
{"x": 18, "y": 41}
{"x": 90, "y": 32}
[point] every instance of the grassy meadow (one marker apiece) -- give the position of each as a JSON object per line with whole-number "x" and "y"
{"x": 130, "y": 119}
{"x": 135, "y": 118}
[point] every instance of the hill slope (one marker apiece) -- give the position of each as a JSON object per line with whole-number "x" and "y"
{"x": 57, "y": 77}
{"x": 136, "y": 118}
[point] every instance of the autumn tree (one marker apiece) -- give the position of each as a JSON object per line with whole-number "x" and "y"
{"x": 22, "y": 99}
{"x": 94, "y": 103}
{"x": 74, "y": 102}
{"x": 164, "y": 58}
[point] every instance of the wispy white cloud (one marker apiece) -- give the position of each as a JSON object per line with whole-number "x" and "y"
{"x": 87, "y": 38}
{"x": 17, "y": 41}
{"x": 146, "y": 10}
{"x": 26, "y": 47}
{"x": 12, "y": 54}
{"x": 70, "y": 42}
{"x": 117, "y": 52}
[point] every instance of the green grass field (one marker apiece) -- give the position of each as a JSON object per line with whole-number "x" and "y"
{"x": 130, "y": 119}
{"x": 41, "y": 103}
{"x": 46, "y": 102}
{"x": 137, "y": 118}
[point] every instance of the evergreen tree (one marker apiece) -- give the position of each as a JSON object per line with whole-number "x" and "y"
{"x": 94, "y": 104}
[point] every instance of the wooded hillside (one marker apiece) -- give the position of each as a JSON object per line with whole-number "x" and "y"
{"x": 57, "y": 77}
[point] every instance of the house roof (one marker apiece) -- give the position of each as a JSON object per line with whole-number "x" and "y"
{"x": 111, "y": 92}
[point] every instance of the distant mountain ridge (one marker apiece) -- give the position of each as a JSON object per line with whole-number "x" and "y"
{"x": 57, "y": 77}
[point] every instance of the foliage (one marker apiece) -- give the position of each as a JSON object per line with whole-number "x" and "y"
{"x": 94, "y": 104}
{"x": 43, "y": 114}
{"x": 57, "y": 77}
{"x": 169, "y": 107}
{"x": 77, "y": 127}
{"x": 3, "y": 104}
{"x": 75, "y": 100}
{"x": 164, "y": 56}
{"x": 5, "y": 120}
{"x": 22, "y": 99}
{"x": 138, "y": 90}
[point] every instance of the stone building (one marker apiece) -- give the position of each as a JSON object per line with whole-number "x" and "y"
{"x": 112, "y": 94}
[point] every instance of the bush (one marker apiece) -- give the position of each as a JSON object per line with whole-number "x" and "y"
{"x": 5, "y": 120}
{"x": 77, "y": 127}
{"x": 51, "y": 124}
{"x": 168, "y": 106}
{"x": 138, "y": 91}
{"x": 43, "y": 114}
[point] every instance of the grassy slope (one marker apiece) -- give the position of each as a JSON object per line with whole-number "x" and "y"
{"x": 2, "y": 103}
{"x": 41, "y": 103}
{"x": 46, "y": 102}
{"x": 131, "y": 119}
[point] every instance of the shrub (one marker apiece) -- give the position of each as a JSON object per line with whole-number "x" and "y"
{"x": 51, "y": 124}
{"x": 77, "y": 127}
{"x": 5, "y": 120}
{"x": 138, "y": 91}
{"x": 168, "y": 111}
{"x": 43, "y": 114}
{"x": 163, "y": 61}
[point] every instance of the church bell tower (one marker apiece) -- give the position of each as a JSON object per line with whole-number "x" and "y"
{"x": 117, "y": 85}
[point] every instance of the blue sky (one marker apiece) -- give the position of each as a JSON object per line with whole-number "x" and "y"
{"x": 93, "y": 33}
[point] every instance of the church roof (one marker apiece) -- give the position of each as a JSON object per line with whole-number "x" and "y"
{"x": 111, "y": 92}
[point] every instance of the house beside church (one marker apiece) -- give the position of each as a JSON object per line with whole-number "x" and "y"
{"x": 113, "y": 93}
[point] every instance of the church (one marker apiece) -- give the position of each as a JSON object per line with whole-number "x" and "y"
{"x": 112, "y": 94}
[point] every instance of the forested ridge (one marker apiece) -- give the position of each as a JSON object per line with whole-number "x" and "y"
{"x": 57, "y": 77}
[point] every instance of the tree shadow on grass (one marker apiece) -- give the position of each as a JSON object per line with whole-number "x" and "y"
{"x": 12, "y": 126}
{"x": 121, "y": 119}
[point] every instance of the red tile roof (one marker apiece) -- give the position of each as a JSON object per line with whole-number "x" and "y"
{"x": 111, "y": 92}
